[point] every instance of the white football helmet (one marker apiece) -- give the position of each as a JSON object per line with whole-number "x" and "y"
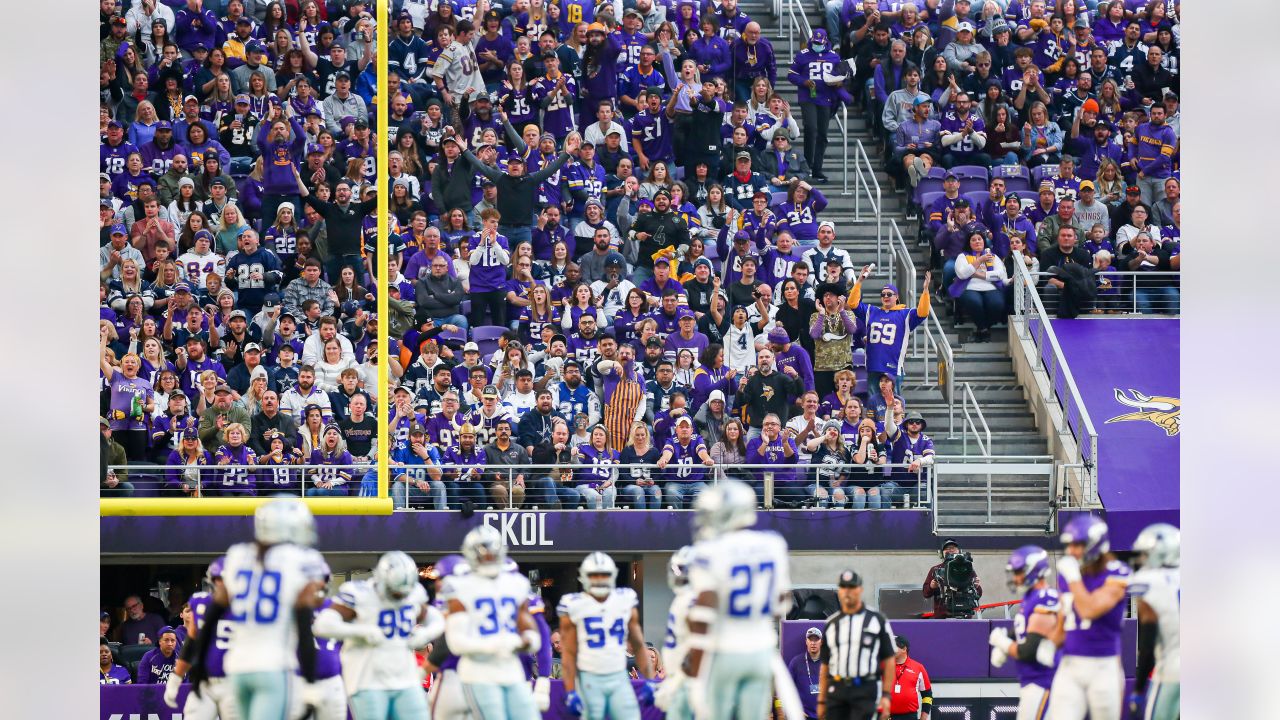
{"x": 598, "y": 563}
{"x": 284, "y": 520}
{"x": 678, "y": 567}
{"x": 726, "y": 506}
{"x": 395, "y": 575}
{"x": 1160, "y": 546}
{"x": 484, "y": 551}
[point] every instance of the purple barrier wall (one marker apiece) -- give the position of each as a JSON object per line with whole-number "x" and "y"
{"x": 1128, "y": 373}
{"x": 536, "y": 531}
{"x": 951, "y": 649}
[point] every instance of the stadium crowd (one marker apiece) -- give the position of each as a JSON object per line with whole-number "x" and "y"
{"x": 606, "y": 238}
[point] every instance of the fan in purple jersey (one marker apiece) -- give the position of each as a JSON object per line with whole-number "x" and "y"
{"x": 464, "y": 463}
{"x": 819, "y": 74}
{"x": 1093, "y": 584}
{"x": 1036, "y": 621}
{"x": 132, "y": 400}
{"x": 597, "y": 478}
{"x": 335, "y": 465}
{"x": 236, "y": 460}
{"x": 688, "y": 453}
{"x": 789, "y": 354}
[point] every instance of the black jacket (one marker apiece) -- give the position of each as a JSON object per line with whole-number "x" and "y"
{"x": 261, "y": 424}
{"x": 759, "y": 402}
{"x": 437, "y": 298}
{"x": 452, "y": 188}
{"x": 665, "y": 230}
{"x": 344, "y": 224}
{"x": 517, "y": 196}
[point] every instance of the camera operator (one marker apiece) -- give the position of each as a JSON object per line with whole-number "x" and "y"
{"x": 933, "y": 588}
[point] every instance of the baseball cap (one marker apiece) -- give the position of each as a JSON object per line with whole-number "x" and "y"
{"x": 189, "y": 98}
{"x": 920, "y": 100}
{"x": 1132, "y": 190}
{"x": 742, "y": 155}
{"x": 1081, "y": 22}
{"x": 255, "y": 47}
{"x": 950, "y": 176}
{"x": 314, "y": 148}
{"x": 632, "y": 11}
{"x": 115, "y": 124}
{"x": 1090, "y": 105}
{"x": 164, "y": 125}
{"x": 119, "y": 229}
{"x": 741, "y": 236}
{"x": 849, "y": 579}
{"x": 614, "y": 259}
{"x": 715, "y": 395}
{"x": 1086, "y": 184}
{"x": 237, "y": 314}
{"x": 253, "y": 347}
{"x": 489, "y": 391}
{"x": 471, "y": 347}
{"x": 812, "y": 632}
{"x": 964, "y": 26}
{"x": 661, "y": 260}
{"x": 271, "y": 300}
{"x": 891, "y": 288}
{"x": 684, "y": 420}
{"x": 560, "y": 337}
{"x": 417, "y": 429}
{"x": 342, "y": 75}
{"x": 181, "y": 287}
{"x": 222, "y": 388}
{"x": 403, "y": 388}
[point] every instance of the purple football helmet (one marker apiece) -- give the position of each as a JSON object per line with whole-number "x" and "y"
{"x": 819, "y": 37}
{"x": 448, "y": 565}
{"x": 1033, "y": 561}
{"x": 1092, "y": 532}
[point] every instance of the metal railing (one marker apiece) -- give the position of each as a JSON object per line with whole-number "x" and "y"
{"x": 932, "y": 337}
{"x": 202, "y": 481}
{"x": 545, "y": 486}
{"x": 969, "y": 409}
{"x": 947, "y": 492}
{"x": 864, "y": 183}
{"x": 902, "y": 268}
{"x": 1131, "y": 292}
{"x": 1032, "y": 323}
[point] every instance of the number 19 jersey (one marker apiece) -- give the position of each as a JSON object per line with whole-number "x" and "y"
{"x": 602, "y": 628}
{"x": 263, "y": 593}
{"x": 747, "y": 569}
{"x": 493, "y": 604}
{"x": 390, "y": 665}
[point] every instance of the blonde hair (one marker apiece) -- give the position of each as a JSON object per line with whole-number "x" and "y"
{"x": 226, "y": 433}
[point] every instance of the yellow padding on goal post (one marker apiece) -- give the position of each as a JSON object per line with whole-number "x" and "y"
{"x": 237, "y": 506}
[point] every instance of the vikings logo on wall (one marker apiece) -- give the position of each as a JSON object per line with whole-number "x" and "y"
{"x": 1160, "y": 410}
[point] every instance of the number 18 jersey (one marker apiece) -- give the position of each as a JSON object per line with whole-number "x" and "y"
{"x": 602, "y": 628}
{"x": 390, "y": 665}
{"x": 747, "y": 569}
{"x": 493, "y": 604}
{"x": 263, "y": 593}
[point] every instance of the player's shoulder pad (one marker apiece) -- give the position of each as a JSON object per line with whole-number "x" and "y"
{"x": 628, "y": 595}
{"x": 567, "y": 602}
{"x": 1116, "y": 567}
{"x": 350, "y": 593}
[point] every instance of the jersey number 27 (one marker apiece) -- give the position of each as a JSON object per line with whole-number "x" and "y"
{"x": 746, "y": 598}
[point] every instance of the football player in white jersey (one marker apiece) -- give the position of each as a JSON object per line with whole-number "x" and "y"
{"x": 672, "y": 696}
{"x": 487, "y": 626}
{"x": 742, "y": 582}
{"x": 381, "y": 622}
{"x": 272, "y": 586}
{"x": 596, "y": 627}
{"x": 1158, "y": 588}
{"x": 214, "y": 699}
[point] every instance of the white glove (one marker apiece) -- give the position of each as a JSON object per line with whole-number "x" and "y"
{"x": 998, "y": 657}
{"x": 311, "y": 695}
{"x": 999, "y": 638}
{"x": 1069, "y": 569}
{"x": 1046, "y": 653}
{"x": 532, "y": 641}
{"x": 666, "y": 691}
{"x": 542, "y": 693}
{"x": 171, "y": 690}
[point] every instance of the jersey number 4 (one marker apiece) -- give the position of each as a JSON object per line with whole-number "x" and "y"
{"x": 596, "y": 635}
{"x": 746, "y": 598}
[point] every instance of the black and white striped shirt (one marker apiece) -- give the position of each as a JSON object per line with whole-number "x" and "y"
{"x": 853, "y": 646}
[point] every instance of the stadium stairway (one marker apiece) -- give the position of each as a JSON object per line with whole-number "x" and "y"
{"x": 1020, "y": 502}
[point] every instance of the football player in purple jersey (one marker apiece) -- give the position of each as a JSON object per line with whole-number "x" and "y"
{"x": 1034, "y": 629}
{"x": 1093, "y": 583}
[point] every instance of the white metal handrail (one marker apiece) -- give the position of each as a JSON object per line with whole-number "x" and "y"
{"x": 902, "y": 267}
{"x": 865, "y": 184}
{"x": 969, "y": 409}
{"x": 1031, "y": 322}
{"x": 1119, "y": 295}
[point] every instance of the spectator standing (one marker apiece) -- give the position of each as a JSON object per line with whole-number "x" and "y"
{"x": 912, "y": 692}
{"x": 804, "y": 670}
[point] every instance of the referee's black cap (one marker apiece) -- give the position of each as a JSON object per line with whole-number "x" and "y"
{"x": 849, "y": 579}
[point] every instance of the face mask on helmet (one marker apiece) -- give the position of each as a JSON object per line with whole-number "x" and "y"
{"x": 484, "y": 551}
{"x": 598, "y": 574}
{"x": 395, "y": 575}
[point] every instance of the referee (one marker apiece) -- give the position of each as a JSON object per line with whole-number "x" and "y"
{"x": 857, "y": 651}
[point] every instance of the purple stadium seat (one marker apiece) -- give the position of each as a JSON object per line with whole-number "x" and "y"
{"x": 927, "y": 199}
{"x": 937, "y": 171}
{"x": 1042, "y": 173}
{"x": 486, "y": 336}
{"x": 777, "y": 198}
{"x": 926, "y": 186}
{"x": 454, "y": 339}
{"x": 972, "y": 184}
{"x": 859, "y": 358}
{"x": 709, "y": 249}
{"x": 976, "y": 198}
{"x": 1017, "y": 184}
{"x": 466, "y": 307}
{"x": 1011, "y": 171}
{"x": 971, "y": 171}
